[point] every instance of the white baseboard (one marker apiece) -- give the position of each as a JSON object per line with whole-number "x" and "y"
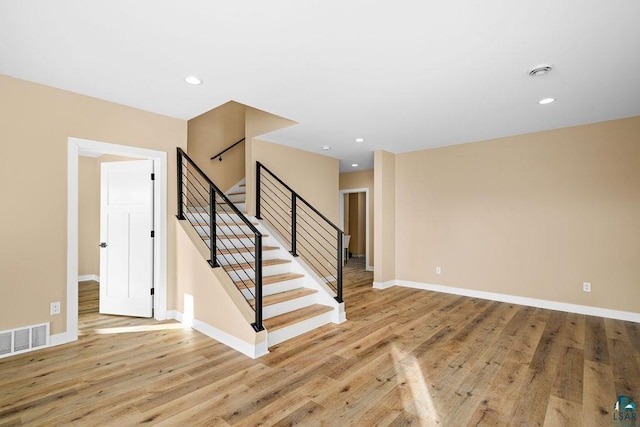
{"x": 59, "y": 339}
{"x": 369, "y": 268}
{"x": 89, "y": 277}
{"x": 175, "y": 315}
{"x": 513, "y": 299}
{"x": 253, "y": 351}
{"x": 384, "y": 285}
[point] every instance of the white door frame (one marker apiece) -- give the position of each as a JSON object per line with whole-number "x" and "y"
{"x": 341, "y": 217}
{"x": 82, "y": 147}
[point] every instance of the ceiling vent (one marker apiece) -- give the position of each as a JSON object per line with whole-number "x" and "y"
{"x": 540, "y": 70}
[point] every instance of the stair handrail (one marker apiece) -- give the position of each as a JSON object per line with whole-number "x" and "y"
{"x": 215, "y": 190}
{"x": 295, "y": 197}
{"x": 219, "y": 155}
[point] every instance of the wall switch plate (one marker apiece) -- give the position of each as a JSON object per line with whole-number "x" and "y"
{"x": 586, "y": 286}
{"x": 438, "y": 270}
{"x": 55, "y": 307}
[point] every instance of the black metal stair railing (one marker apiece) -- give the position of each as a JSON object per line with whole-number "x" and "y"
{"x": 308, "y": 232}
{"x": 219, "y": 155}
{"x": 235, "y": 244}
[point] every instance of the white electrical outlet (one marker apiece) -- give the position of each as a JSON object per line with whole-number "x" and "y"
{"x": 438, "y": 270}
{"x": 55, "y": 307}
{"x": 586, "y": 286}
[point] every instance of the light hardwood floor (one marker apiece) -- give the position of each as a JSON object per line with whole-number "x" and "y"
{"x": 403, "y": 357}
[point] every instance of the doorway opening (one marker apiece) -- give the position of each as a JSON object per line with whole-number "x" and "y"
{"x": 353, "y": 208}
{"x": 81, "y": 147}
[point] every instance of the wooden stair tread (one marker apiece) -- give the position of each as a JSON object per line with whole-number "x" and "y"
{"x": 287, "y": 295}
{"x": 236, "y": 194}
{"x": 269, "y": 280}
{"x": 232, "y": 236}
{"x": 231, "y": 224}
{"x": 224, "y": 202}
{"x": 201, "y": 209}
{"x": 292, "y": 317}
{"x": 265, "y": 263}
{"x": 284, "y": 296}
{"x": 247, "y": 249}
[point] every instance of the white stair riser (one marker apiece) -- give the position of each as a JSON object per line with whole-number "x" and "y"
{"x": 221, "y": 208}
{"x": 233, "y": 243}
{"x": 287, "y": 306}
{"x": 226, "y": 259}
{"x": 234, "y": 229}
{"x": 203, "y": 216}
{"x": 203, "y": 230}
{"x": 242, "y": 207}
{"x": 229, "y": 218}
{"x": 237, "y": 198}
{"x": 276, "y": 288}
{"x": 291, "y": 331}
{"x": 197, "y": 217}
{"x": 242, "y": 274}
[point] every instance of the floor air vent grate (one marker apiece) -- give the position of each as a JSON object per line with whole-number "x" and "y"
{"x": 25, "y": 339}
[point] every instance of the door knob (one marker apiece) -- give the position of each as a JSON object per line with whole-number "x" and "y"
{"x": 103, "y": 244}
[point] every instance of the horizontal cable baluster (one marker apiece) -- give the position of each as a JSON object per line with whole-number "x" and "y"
{"x": 324, "y": 243}
{"x": 320, "y": 262}
{"x": 277, "y": 214}
{"x": 277, "y": 190}
{"x": 325, "y": 239}
{"x": 231, "y": 226}
{"x": 279, "y": 217}
{"x": 277, "y": 207}
{"x": 312, "y": 236}
{"x": 212, "y": 214}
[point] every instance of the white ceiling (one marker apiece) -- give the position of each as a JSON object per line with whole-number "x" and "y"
{"x": 404, "y": 75}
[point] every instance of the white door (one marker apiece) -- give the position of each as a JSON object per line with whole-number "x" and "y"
{"x": 126, "y": 224}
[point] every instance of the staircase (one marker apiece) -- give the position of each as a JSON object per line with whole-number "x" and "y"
{"x": 293, "y": 300}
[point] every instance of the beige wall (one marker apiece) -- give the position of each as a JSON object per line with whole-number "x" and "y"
{"x": 312, "y": 176}
{"x": 36, "y": 124}
{"x": 533, "y": 215}
{"x": 88, "y": 216}
{"x": 362, "y": 179}
{"x": 212, "y": 132}
{"x": 216, "y": 300}
{"x": 257, "y": 122}
{"x": 384, "y": 230}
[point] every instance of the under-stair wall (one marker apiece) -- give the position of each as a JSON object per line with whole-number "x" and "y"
{"x": 209, "y": 300}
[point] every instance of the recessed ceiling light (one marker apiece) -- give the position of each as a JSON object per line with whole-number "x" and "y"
{"x": 546, "y": 101}
{"x": 355, "y": 165}
{"x": 326, "y": 147}
{"x": 193, "y": 80}
{"x": 359, "y": 139}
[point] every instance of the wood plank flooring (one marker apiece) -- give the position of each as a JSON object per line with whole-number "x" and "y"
{"x": 404, "y": 357}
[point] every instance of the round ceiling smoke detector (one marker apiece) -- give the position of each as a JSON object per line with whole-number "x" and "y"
{"x": 540, "y": 70}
